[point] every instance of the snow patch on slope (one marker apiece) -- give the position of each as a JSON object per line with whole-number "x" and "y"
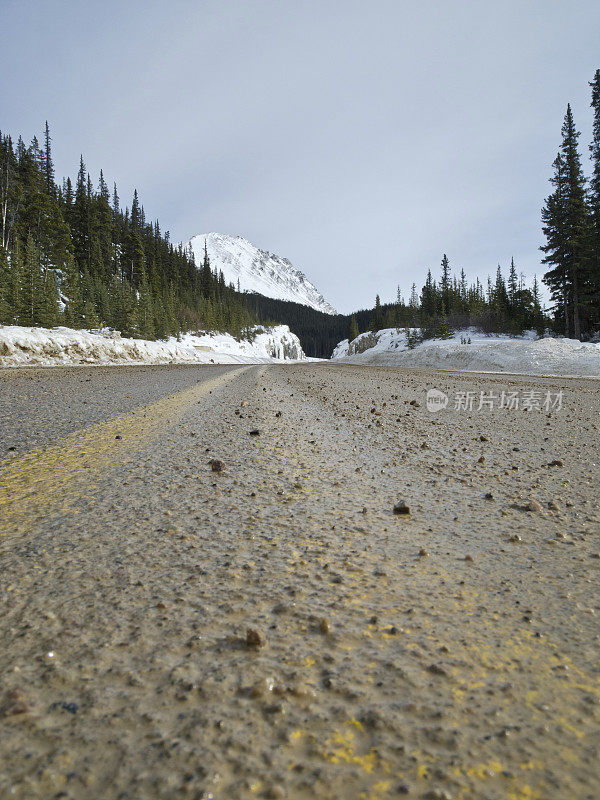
{"x": 257, "y": 270}
{"x": 21, "y": 346}
{"x": 500, "y": 353}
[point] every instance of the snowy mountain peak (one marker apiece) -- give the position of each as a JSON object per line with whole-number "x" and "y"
{"x": 256, "y": 270}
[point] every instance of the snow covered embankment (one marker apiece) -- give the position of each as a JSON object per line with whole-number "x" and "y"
{"x": 63, "y": 346}
{"x": 499, "y": 353}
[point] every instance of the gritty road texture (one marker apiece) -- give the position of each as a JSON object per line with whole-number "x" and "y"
{"x": 189, "y": 610}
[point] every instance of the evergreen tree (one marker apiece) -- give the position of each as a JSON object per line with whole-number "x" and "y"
{"x": 121, "y": 316}
{"x": 501, "y": 300}
{"x": 538, "y": 320}
{"x": 171, "y": 313}
{"x": 391, "y": 318}
{"x": 47, "y": 315}
{"x": 594, "y": 195}
{"x": 512, "y": 284}
{"x": 566, "y": 227}
{"x": 554, "y": 228}
{"x": 5, "y": 282}
{"x": 443, "y": 330}
{"x": 80, "y": 218}
{"x": 133, "y": 256}
{"x": 445, "y": 285}
{"x": 414, "y": 297}
{"x": 353, "y": 329}
{"x": 68, "y": 200}
{"x": 48, "y": 166}
{"x": 31, "y": 285}
{"x": 9, "y": 192}
{"x": 429, "y": 296}
{"x": 89, "y": 294}
{"x": 103, "y": 188}
{"x": 90, "y": 316}
{"x": 463, "y": 291}
{"x": 161, "y": 323}
{"x": 36, "y": 153}
{"x": 206, "y": 279}
{"x": 72, "y": 294}
{"x": 145, "y": 309}
{"x": 377, "y": 321}
{"x": 135, "y": 210}
{"x": 15, "y": 285}
{"x": 115, "y": 201}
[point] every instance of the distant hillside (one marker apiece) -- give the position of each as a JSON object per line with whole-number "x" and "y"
{"x": 319, "y": 333}
{"x": 250, "y": 269}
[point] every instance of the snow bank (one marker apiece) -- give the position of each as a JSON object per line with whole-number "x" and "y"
{"x": 499, "y": 353}
{"x": 41, "y": 346}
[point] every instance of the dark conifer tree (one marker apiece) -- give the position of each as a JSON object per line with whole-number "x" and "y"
{"x": 80, "y": 218}
{"x": 414, "y": 297}
{"x": 48, "y": 301}
{"x": 71, "y": 294}
{"x": 429, "y": 296}
{"x": 512, "y": 283}
{"x": 554, "y": 228}
{"x": 115, "y": 201}
{"x": 8, "y": 192}
{"x": 594, "y": 194}
{"x": 68, "y": 199}
{"x": 445, "y": 286}
{"x": 135, "y": 210}
{"x": 48, "y": 166}
{"x": 5, "y": 282}
{"x": 206, "y": 278}
{"x": 378, "y": 321}
{"x": 30, "y": 290}
{"x": 537, "y": 320}
{"x": 36, "y": 153}
{"x": 501, "y": 299}
{"x": 103, "y": 188}
{"x": 145, "y": 310}
{"x": 566, "y": 226}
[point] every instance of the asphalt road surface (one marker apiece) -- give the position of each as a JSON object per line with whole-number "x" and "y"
{"x": 273, "y": 629}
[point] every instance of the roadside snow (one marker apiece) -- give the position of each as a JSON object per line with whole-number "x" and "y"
{"x": 63, "y": 346}
{"x": 499, "y": 353}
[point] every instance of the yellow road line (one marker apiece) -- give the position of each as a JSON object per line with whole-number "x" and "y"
{"x": 55, "y": 475}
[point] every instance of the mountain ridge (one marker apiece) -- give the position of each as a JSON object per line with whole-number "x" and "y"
{"x": 257, "y": 271}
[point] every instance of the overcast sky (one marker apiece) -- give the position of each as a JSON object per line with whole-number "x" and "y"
{"x": 360, "y": 139}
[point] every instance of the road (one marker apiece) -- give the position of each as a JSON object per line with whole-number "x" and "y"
{"x": 274, "y": 629}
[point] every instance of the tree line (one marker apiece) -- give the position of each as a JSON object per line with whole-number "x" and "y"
{"x": 505, "y": 303}
{"x": 571, "y": 225}
{"x": 71, "y": 255}
{"x": 450, "y": 302}
{"x": 501, "y": 306}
